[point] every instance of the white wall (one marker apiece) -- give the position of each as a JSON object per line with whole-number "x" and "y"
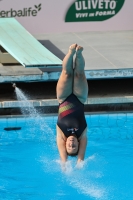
{"x": 50, "y": 19}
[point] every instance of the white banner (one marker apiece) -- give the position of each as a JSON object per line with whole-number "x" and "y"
{"x": 50, "y": 16}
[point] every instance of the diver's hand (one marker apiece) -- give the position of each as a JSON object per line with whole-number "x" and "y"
{"x": 80, "y": 164}
{"x": 63, "y": 166}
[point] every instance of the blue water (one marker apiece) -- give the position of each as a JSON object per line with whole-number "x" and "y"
{"x": 30, "y": 165}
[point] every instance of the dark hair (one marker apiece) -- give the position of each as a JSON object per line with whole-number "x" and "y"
{"x": 73, "y": 154}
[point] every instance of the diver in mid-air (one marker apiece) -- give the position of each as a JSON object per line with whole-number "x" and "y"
{"x": 72, "y": 92}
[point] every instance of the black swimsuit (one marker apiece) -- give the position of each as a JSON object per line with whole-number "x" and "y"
{"x": 71, "y": 119}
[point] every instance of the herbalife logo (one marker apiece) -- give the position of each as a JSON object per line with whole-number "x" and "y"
{"x": 25, "y": 12}
{"x": 93, "y": 10}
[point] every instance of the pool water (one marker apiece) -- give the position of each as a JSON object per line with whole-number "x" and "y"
{"x": 30, "y": 165}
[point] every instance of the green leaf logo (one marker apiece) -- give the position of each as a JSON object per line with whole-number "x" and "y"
{"x": 93, "y": 10}
{"x": 38, "y": 7}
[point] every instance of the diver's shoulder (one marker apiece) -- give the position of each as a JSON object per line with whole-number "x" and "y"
{"x": 84, "y": 134}
{"x": 59, "y": 132}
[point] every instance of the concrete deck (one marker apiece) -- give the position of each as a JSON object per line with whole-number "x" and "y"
{"x": 54, "y": 102}
{"x": 107, "y": 55}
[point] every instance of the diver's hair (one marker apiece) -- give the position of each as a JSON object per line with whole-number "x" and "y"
{"x": 73, "y": 154}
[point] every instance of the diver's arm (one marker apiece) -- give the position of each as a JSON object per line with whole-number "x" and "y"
{"x": 82, "y": 146}
{"x": 61, "y": 145}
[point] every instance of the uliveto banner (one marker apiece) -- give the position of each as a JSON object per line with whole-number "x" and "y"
{"x": 93, "y": 10}
{"x": 44, "y": 16}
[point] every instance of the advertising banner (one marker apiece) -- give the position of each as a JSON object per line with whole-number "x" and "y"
{"x": 44, "y": 16}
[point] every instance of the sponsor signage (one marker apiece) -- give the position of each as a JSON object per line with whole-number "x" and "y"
{"x": 24, "y": 12}
{"x": 39, "y": 16}
{"x": 93, "y": 10}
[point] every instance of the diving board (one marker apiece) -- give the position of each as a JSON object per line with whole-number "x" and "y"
{"x": 23, "y": 47}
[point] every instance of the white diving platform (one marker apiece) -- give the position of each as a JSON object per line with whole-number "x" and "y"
{"x": 23, "y": 48}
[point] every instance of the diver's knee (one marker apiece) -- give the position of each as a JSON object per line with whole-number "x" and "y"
{"x": 68, "y": 74}
{"x": 79, "y": 74}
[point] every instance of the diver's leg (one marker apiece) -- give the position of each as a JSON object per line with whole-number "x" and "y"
{"x": 80, "y": 83}
{"x": 64, "y": 85}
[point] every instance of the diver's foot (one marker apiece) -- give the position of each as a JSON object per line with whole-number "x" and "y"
{"x": 79, "y": 50}
{"x": 72, "y": 49}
